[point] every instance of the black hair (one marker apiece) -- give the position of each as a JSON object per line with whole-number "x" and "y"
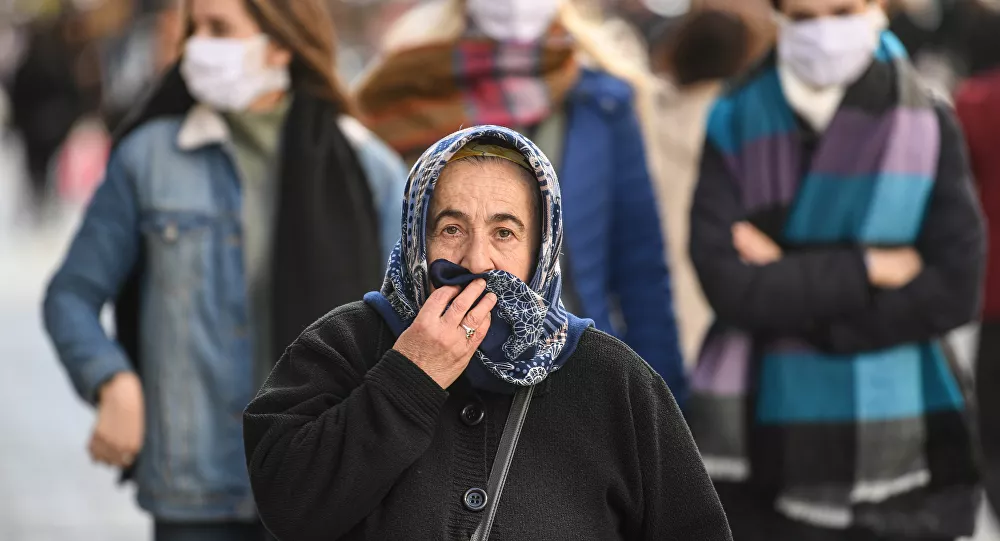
{"x": 978, "y": 44}
{"x": 708, "y": 45}
{"x": 777, "y": 4}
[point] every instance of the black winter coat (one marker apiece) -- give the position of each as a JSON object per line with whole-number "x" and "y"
{"x": 350, "y": 440}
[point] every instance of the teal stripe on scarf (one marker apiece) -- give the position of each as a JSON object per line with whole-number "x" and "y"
{"x": 900, "y": 383}
{"x": 763, "y": 113}
{"x": 838, "y": 208}
{"x": 891, "y": 48}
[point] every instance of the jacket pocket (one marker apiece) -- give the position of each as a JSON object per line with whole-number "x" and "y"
{"x": 176, "y": 245}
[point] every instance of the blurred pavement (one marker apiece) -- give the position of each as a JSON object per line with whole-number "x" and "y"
{"x": 49, "y": 489}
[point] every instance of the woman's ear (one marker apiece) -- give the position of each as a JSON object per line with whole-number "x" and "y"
{"x": 278, "y": 56}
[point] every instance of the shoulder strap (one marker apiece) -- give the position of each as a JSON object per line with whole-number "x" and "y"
{"x": 501, "y": 464}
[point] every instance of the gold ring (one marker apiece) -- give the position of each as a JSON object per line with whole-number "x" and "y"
{"x": 469, "y": 332}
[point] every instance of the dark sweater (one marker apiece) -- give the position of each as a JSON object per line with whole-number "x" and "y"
{"x": 821, "y": 293}
{"x": 350, "y": 440}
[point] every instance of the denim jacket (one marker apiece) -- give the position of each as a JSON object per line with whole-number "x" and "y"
{"x": 172, "y": 184}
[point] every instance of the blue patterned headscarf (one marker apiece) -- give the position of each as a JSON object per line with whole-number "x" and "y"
{"x": 540, "y": 334}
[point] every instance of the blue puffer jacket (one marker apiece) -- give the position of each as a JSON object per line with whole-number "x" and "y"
{"x": 613, "y": 235}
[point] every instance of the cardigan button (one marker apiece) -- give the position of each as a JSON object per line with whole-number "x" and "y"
{"x": 472, "y": 415}
{"x": 475, "y": 499}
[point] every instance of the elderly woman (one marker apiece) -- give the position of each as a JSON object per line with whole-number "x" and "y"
{"x": 383, "y": 419}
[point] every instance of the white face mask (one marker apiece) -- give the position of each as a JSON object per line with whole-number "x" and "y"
{"x": 513, "y": 20}
{"x": 229, "y": 74}
{"x": 830, "y": 51}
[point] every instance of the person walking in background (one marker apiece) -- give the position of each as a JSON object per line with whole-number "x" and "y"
{"x": 135, "y": 58}
{"x": 46, "y": 100}
{"x": 977, "y": 103}
{"x": 537, "y": 67}
{"x": 240, "y": 204}
{"x": 836, "y": 235}
{"x": 715, "y": 41}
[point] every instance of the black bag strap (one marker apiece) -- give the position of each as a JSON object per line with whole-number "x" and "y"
{"x": 501, "y": 464}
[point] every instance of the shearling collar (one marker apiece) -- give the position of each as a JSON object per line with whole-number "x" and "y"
{"x": 202, "y": 126}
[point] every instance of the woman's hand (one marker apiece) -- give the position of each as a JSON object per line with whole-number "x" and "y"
{"x": 754, "y": 246}
{"x": 121, "y": 421}
{"x": 892, "y": 268}
{"x": 437, "y": 342}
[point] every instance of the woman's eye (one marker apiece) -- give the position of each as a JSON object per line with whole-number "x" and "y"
{"x": 451, "y": 230}
{"x": 505, "y": 234}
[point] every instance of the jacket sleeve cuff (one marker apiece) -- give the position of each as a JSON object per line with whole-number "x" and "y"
{"x": 408, "y": 387}
{"x": 96, "y": 372}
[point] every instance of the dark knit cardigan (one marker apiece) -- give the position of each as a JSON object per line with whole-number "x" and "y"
{"x": 350, "y": 440}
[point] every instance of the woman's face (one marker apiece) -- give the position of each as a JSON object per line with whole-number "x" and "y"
{"x": 229, "y": 19}
{"x": 484, "y": 216}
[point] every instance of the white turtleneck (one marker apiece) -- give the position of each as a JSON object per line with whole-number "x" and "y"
{"x": 815, "y": 105}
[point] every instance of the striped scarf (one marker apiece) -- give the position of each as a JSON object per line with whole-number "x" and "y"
{"x": 417, "y": 96}
{"x": 876, "y": 439}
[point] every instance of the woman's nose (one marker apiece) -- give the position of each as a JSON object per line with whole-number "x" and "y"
{"x": 477, "y": 258}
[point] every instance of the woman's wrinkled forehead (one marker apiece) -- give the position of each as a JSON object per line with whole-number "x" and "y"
{"x": 501, "y": 185}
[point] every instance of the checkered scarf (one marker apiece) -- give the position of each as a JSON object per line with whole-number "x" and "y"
{"x": 416, "y": 96}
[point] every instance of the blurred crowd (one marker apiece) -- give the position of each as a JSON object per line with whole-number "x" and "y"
{"x": 644, "y": 107}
